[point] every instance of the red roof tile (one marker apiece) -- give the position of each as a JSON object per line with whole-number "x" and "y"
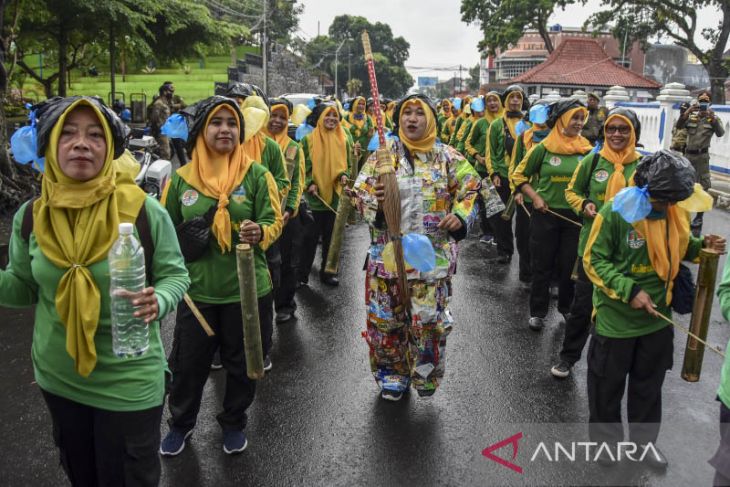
{"x": 583, "y": 62}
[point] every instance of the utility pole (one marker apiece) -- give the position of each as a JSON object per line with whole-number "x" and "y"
{"x": 265, "y": 48}
{"x": 349, "y": 73}
{"x": 337, "y": 53}
{"x": 112, "y": 61}
{"x": 461, "y": 88}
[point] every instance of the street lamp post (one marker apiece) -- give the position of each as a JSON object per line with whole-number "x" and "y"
{"x": 337, "y": 53}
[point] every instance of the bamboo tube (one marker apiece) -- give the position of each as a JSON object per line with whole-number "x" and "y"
{"x": 196, "y": 312}
{"x": 344, "y": 208}
{"x": 250, "y": 311}
{"x": 510, "y": 208}
{"x": 325, "y": 203}
{"x": 695, "y": 351}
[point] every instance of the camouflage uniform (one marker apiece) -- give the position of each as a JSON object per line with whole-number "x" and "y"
{"x": 593, "y": 128}
{"x": 699, "y": 136}
{"x": 161, "y": 110}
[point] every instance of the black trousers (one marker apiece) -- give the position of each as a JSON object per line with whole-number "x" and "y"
{"x": 284, "y": 294}
{"x": 644, "y": 360}
{"x": 192, "y": 353}
{"x": 522, "y": 237}
{"x": 503, "y": 228}
{"x": 106, "y": 448}
{"x": 553, "y": 241}
{"x": 324, "y": 222}
{"x": 578, "y": 324}
{"x": 484, "y": 225}
{"x": 721, "y": 459}
{"x": 273, "y": 261}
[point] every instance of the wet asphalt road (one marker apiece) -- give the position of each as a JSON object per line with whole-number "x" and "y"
{"x": 317, "y": 418}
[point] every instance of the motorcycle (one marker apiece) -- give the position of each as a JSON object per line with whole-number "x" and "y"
{"x": 154, "y": 173}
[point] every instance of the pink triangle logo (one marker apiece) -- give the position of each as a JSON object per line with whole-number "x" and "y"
{"x": 513, "y": 440}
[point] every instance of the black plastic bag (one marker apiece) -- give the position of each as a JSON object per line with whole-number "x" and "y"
{"x": 669, "y": 176}
{"x": 194, "y": 235}
{"x": 683, "y": 291}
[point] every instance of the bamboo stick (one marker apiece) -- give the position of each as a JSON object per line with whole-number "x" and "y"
{"x": 509, "y": 210}
{"x": 694, "y": 351}
{"x": 325, "y": 203}
{"x": 250, "y": 312}
{"x": 715, "y": 349}
{"x": 196, "y": 312}
{"x": 344, "y": 208}
{"x": 563, "y": 218}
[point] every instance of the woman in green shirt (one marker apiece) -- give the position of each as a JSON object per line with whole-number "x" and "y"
{"x": 106, "y": 410}
{"x": 721, "y": 460}
{"x": 239, "y": 199}
{"x": 549, "y": 166}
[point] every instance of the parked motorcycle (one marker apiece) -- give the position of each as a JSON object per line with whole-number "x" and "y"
{"x": 153, "y": 171}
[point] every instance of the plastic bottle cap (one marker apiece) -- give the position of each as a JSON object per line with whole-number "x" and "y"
{"x": 126, "y": 229}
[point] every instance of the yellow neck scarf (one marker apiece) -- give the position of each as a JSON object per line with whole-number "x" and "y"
{"x": 619, "y": 159}
{"x": 328, "y": 149}
{"x": 75, "y": 224}
{"x": 426, "y": 143}
{"x": 558, "y": 143}
{"x": 666, "y": 255}
{"x": 216, "y": 176}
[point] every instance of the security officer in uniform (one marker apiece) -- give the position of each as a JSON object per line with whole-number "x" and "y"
{"x": 679, "y": 136}
{"x": 701, "y": 124}
{"x": 159, "y": 112}
{"x": 593, "y": 128}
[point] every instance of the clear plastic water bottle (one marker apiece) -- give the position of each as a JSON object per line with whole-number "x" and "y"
{"x": 130, "y": 335}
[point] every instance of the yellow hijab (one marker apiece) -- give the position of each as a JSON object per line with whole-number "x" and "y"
{"x": 426, "y": 143}
{"x": 216, "y": 175}
{"x": 75, "y": 224}
{"x": 328, "y": 150}
{"x": 491, "y": 117}
{"x": 619, "y": 159}
{"x": 281, "y": 138}
{"x": 353, "y": 111}
{"x": 558, "y": 143}
{"x": 255, "y": 144}
{"x": 511, "y": 122}
{"x": 666, "y": 255}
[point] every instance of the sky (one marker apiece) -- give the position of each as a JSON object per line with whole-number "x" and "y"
{"x": 439, "y": 39}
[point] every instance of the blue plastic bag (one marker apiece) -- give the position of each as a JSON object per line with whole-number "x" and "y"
{"x": 539, "y": 114}
{"x": 418, "y": 252}
{"x": 477, "y": 105}
{"x": 632, "y": 203}
{"x": 311, "y": 104}
{"x": 24, "y": 144}
{"x": 303, "y": 130}
{"x": 521, "y": 127}
{"x": 374, "y": 143}
{"x": 175, "y": 127}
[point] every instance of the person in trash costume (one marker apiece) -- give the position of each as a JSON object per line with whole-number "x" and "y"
{"x": 633, "y": 267}
{"x": 438, "y": 190}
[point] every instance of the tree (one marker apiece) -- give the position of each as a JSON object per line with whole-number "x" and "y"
{"x": 390, "y": 54}
{"x": 353, "y": 86}
{"x": 503, "y": 22}
{"x": 474, "y": 81}
{"x": 676, "y": 19}
{"x": 7, "y": 64}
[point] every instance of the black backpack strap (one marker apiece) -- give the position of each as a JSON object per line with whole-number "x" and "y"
{"x": 594, "y": 163}
{"x": 26, "y": 226}
{"x": 145, "y": 238}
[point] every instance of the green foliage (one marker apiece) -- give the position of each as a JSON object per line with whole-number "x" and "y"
{"x": 504, "y": 21}
{"x": 473, "y": 82}
{"x": 390, "y": 53}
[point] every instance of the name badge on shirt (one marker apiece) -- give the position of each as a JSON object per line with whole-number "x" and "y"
{"x": 239, "y": 195}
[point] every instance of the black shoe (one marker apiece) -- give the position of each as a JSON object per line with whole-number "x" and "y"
{"x": 536, "y": 323}
{"x": 389, "y": 395}
{"x": 284, "y": 317}
{"x": 267, "y": 364}
{"x": 655, "y": 459}
{"x": 330, "y": 280}
{"x": 216, "y": 363}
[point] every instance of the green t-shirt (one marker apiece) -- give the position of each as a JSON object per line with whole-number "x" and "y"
{"x": 584, "y": 186}
{"x": 723, "y": 292}
{"x": 214, "y": 278}
{"x": 115, "y": 384}
{"x": 553, "y": 172}
{"x": 616, "y": 259}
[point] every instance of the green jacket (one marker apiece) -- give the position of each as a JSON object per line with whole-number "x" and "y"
{"x": 314, "y": 203}
{"x": 359, "y": 134}
{"x": 498, "y": 159}
{"x": 214, "y": 278}
{"x": 461, "y": 142}
{"x": 553, "y": 173}
{"x": 273, "y": 160}
{"x": 115, "y": 384}
{"x": 616, "y": 260}
{"x": 476, "y": 143}
{"x": 586, "y": 186}
{"x": 723, "y": 292}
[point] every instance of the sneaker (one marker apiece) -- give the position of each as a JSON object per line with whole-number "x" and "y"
{"x": 536, "y": 324}
{"x": 486, "y": 239}
{"x": 267, "y": 364}
{"x": 390, "y": 395}
{"x": 174, "y": 442}
{"x": 216, "y": 363}
{"x": 562, "y": 370}
{"x": 234, "y": 441}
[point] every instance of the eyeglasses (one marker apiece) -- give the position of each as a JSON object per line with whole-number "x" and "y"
{"x": 621, "y": 129}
